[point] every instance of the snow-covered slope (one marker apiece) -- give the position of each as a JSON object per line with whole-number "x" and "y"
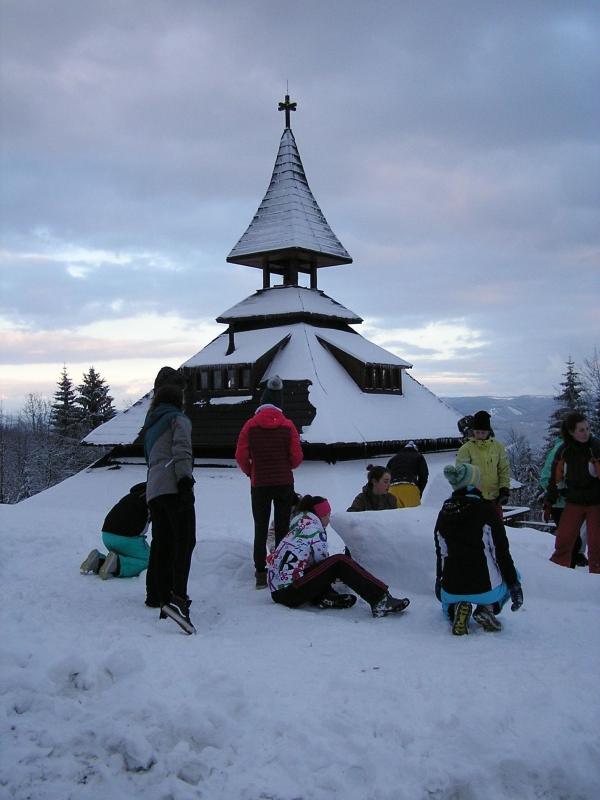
{"x": 101, "y": 700}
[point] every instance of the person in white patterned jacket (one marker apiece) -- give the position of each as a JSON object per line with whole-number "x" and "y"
{"x": 300, "y": 569}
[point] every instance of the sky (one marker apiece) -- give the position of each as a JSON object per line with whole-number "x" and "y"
{"x": 454, "y": 148}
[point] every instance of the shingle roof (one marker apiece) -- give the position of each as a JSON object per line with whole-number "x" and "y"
{"x": 287, "y": 302}
{"x": 289, "y": 217}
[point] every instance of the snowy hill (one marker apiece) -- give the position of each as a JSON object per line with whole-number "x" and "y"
{"x": 526, "y": 414}
{"x": 101, "y": 700}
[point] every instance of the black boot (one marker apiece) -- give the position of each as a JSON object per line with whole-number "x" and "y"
{"x": 389, "y": 605}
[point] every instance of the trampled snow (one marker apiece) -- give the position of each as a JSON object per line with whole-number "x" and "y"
{"x": 103, "y": 700}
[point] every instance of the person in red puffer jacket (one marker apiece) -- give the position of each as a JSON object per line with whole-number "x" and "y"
{"x": 267, "y": 451}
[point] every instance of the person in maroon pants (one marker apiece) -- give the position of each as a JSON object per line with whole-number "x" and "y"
{"x": 575, "y": 474}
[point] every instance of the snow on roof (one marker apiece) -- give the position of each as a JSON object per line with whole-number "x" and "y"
{"x": 249, "y": 346}
{"x": 289, "y": 216}
{"x": 344, "y": 412}
{"x": 124, "y": 428}
{"x": 356, "y": 345}
{"x": 288, "y": 300}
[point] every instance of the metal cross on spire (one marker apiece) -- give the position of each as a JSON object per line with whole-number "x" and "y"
{"x": 287, "y": 107}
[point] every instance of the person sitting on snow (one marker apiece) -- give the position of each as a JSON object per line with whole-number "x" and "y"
{"x": 124, "y": 536}
{"x": 300, "y": 570}
{"x": 375, "y": 495}
{"x": 473, "y": 564}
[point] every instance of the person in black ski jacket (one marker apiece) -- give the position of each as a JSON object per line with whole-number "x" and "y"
{"x": 410, "y": 473}
{"x": 575, "y": 474}
{"x": 124, "y": 536}
{"x": 474, "y": 564}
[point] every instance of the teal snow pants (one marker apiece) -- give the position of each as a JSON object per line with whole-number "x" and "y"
{"x": 133, "y": 552}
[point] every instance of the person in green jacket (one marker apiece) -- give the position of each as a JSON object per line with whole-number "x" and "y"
{"x": 484, "y": 451}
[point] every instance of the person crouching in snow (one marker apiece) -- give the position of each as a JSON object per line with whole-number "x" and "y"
{"x": 474, "y": 564}
{"x": 300, "y": 570}
{"x": 124, "y": 536}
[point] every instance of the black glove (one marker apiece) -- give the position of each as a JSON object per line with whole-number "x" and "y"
{"x": 185, "y": 488}
{"x": 516, "y": 595}
{"x": 503, "y": 495}
{"x": 438, "y": 589}
{"x": 547, "y": 511}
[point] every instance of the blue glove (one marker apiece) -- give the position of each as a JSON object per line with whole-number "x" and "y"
{"x": 516, "y": 595}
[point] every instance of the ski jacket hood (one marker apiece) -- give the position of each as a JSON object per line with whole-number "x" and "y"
{"x": 268, "y": 416}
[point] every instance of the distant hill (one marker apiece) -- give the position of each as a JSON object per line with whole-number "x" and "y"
{"x": 527, "y": 414}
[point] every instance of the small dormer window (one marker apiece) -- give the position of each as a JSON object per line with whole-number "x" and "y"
{"x": 368, "y": 376}
{"x": 221, "y": 380}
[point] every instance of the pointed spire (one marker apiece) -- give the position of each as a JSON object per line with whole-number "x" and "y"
{"x": 287, "y": 107}
{"x": 289, "y": 233}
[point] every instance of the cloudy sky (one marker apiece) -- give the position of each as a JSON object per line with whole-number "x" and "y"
{"x": 453, "y": 146}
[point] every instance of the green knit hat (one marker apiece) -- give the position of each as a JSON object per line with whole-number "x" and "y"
{"x": 462, "y": 475}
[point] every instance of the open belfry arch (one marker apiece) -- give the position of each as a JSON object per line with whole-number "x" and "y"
{"x": 348, "y": 397}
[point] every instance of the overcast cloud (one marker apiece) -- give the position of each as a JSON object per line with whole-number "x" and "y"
{"x": 454, "y": 148}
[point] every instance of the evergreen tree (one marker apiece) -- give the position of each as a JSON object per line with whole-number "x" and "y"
{"x": 94, "y": 401}
{"x": 591, "y": 379}
{"x": 64, "y": 414}
{"x": 572, "y": 398}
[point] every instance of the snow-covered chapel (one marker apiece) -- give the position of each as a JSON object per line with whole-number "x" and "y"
{"x": 349, "y": 398}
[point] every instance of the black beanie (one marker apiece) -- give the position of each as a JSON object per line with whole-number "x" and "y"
{"x": 167, "y": 376}
{"x": 273, "y": 394}
{"x": 481, "y": 421}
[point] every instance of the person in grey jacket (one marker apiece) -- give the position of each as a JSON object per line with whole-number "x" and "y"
{"x": 170, "y": 496}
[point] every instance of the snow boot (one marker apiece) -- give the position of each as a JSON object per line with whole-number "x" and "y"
{"x": 261, "y": 579}
{"x": 462, "y": 615}
{"x": 389, "y": 605}
{"x": 488, "y": 621}
{"x": 334, "y": 599}
{"x": 110, "y": 566}
{"x": 179, "y": 611}
{"x": 91, "y": 564}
